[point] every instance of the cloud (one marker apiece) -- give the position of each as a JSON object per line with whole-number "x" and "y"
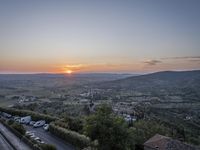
{"x": 184, "y": 57}
{"x": 152, "y": 62}
{"x": 193, "y": 59}
{"x": 74, "y": 66}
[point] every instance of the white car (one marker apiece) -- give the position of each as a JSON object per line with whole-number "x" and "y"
{"x": 39, "y": 140}
{"x": 32, "y": 136}
{"x": 29, "y": 133}
{"x": 25, "y": 120}
{"x": 7, "y": 115}
{"x": 39, "y": 123}
{"x": 31, "y": 123}
{"x": 18, "y": 120}
{"x": 46, "y": 127}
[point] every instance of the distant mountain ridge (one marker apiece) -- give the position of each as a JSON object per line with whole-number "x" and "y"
{"x": 168, "y": 80}
{"x": 168, "y": 75}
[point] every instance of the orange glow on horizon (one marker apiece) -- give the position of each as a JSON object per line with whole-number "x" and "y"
{"x": 68, "y": 71}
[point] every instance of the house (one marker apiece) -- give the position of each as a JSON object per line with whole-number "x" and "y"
{"x": 160, "y": 142}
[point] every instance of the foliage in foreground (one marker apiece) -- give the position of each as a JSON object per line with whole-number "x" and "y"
{"x": 72, "y": 137}
{"x": 111, "y": 131}
{"x": 47, "y": 147}
{"x": 74, "y": 124}
{"x": 143, "y": 130}
{"x": 20, "y": 128}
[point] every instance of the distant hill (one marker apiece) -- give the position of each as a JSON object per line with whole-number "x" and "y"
{"x": 168, "y": 82}
{"x": 83, "y": 76}
{"x": 159, "y": 78}
{"x": 10, "y": 81}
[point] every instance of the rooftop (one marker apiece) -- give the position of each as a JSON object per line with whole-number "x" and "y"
{"x": 160, "y": 142}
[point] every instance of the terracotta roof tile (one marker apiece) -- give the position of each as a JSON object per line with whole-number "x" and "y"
{"x": 160, "y": 142}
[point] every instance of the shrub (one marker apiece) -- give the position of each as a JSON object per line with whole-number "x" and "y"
{"x": 74, "y": 124}
{"x": 48, "y": 147}
{"x": 72, "y": 137}
{"x": 194, "y": 140}
{"x": 10, "y": 122}
{"x": 145, "y": 129}
{"x": 19, "y": 128}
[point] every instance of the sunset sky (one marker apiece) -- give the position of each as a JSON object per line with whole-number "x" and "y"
{"x": 114, "y": 36}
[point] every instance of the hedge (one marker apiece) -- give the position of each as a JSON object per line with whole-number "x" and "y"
{"x": 34, "y": 115}
{"x": 32, "y": 143}
{"x": 19, "y": 135}
{"x": 48, "y": 147}
{"x": 74, "y": 138}
{"x": 20, "y": 128}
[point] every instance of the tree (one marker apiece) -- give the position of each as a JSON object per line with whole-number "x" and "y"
{"x": 142, "y": 130}
{"x": 48, "y": 147}
{"x": 20, "y": 128}
{"x": 111, "y": 131}
{"x": 74, "y": 124}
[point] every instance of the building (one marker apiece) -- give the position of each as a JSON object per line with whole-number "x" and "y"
{"x": 160, "y": 142}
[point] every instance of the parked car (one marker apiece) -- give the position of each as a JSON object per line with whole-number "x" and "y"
{"x": 37, "y": 139}
{"x": 46, "y": 127}
{"x": 39, "y": 123}
{"x": 27, "y": 132}
{"x": 33, "y": 136}
{"x": 16, "y": 118}
{"x": 6, "y": 115}
{"x": 31, "y": 123}
{"x": 25, "y": 120}
{"x": 30, "y": 134}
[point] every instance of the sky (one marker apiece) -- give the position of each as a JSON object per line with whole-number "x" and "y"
{"x": 112, "y": 36}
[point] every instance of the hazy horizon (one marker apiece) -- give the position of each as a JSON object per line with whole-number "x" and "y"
{"x": 85, "y": 73}
{"x": 99, "y": 36}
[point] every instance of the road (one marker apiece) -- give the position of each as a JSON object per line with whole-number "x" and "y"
{"x": 4, "y": 145}
{"x": 49, "y": 138}
{"x": 17, "y": 143}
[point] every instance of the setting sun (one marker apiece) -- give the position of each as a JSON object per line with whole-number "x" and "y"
{"x": 68, "y": 71}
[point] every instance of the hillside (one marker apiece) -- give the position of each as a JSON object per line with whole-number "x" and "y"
{"x": 160, "y": 83}
{"x": 170, "y": 96}
{"x": 166, "y": 78}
